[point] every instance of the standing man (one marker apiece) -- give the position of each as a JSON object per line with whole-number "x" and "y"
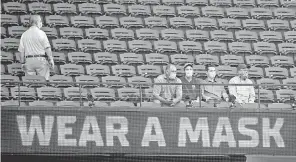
{"x": 171, "y": 94}
{"x": 213, "y": 92}
{"x": 191, "y": 86}
{"x": 36, "y": 57}
{"x": 243, "y": 94}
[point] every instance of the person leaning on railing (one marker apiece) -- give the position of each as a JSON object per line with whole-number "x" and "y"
{"x": 36, "y": 56}
{"x": 243, "y": 94}
{"x": 170, "y": 94}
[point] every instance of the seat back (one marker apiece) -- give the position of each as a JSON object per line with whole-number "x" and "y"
{"x": 290, "y": 36}
{"x": 97, "y": 70}
{"x": 122, "y": 34}
{"x": 71, "y": 32}
{"x": 72, "y": 70}
{"x": 89, "y": 45}
{"x": 32, "y": 79}
{"x": 256, "y": 72}
{"x": 206, "y": 59}
{"x": 264, "y": 48}
{"x": 270, "y": 3}
{"x": 107, "y": 22}
{"x": 91, "y": 81}
{"x": 181, "y": 22}
{"x": 232, "y": 60}
{"x": 140, "y": 82}
{"x": 282, "y": 61}
{"x": 265, "y": 96}
{"x": 128, "y": 94}
{"x": 131, "y": 59}
{"x": 181, "y": 59}
{"x": 9, "y": 19}
{"x": 25, "y": 93}
{"x": 246, "y": 35}
{"x": 75, "y": 93}
{"x": 147, "y": 34}
{"x": 162, "y": 10}
{"x": 199, "y": 71}
{"x": 131, "y": 22}
{"x": 96, "y": 33}
{"x": 14, "y": 8}
{"x": 240, "y": 48}
{"x": 212, "y": 11}
{"x": 80, "y": 58}
{"x": 261, "y": 13}
{"x": 64, "y": 8}
{"x": 163, "y": 46}
{"x": 89, "y": 8}
{"x": 190, "y": 46}
{"x": 103, "y": 94}
{"x": 116, "y": 82}
{"x": 250, "y": 24}
{"x": 157, "y": 59}
{"x": 205, "y": 23}
{"x": 7, "y": 79}
{"x": 221, "y": 35}
{"x": 197, "y": 35}
{"x": 49, "y": 93}
{"x": 58, "y": 81}
{"x": 230, "y": 23}
{"x": 284, "y": 13}
{"x": 271, "y": 36}
{"x": 149, "y": 70}
{"x": 63, "y": 44}
{"x": 117, "y": 9}
{"x": 139, "y": 10}
{"x": 82, "y": 21}
{"x": 290, "y": 81}
{"x": 50, "y": 32}
{"x": 268, "y": 83}
{"x": 10, "y": 44}
{"x": 154, "y": 21}
{"x": 15, "y": 69}
{"x": 16, "y": 31}
{"x": 105, "y": 58}
{"x": 139, "y": 46}
{"x": 285, "y": 95}
{"x": 123, "y": 70}
{"x": 256, "y": 60}
{"x": 226, "y": 71}
{"x": 56, "y": 21}
{"x": 172, "y": 34}
{"x": 212, "y": 47}
{"x": 188, "y": 11}
{"x": 237, "y": 12}
{"x": 287, "y": 48}
{"x": 276, "y": 72}
{"x": 277, "y": 24}
{"x": 7, "y": 57}
{"x": 115, "y": 46}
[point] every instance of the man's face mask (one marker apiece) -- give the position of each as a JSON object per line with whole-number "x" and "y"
{"x": 189, "y": 71}
{"x": 244, "y": 74}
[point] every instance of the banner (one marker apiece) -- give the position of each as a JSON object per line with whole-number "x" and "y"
{"x": 147, "y": 132}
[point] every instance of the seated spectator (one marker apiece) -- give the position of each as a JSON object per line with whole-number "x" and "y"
{"x": 243, "y": 94}
{"x": 168, "y": 95}
{"x": 191, "y": 87}
{"x": 213, "y": 92}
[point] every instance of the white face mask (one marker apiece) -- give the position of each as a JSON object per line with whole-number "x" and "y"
{"x": 189, "y": 71}
{"x": 244, "y": 74}
{"x": 173, "y": 76}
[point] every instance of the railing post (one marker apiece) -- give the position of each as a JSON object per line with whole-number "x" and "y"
{"x": 19, "y": 94}
{"x": 80, "y": 99}
{"x": 259, "y": 96}
{"x": 141, "y": 95}
{"x": 200, "y": 95}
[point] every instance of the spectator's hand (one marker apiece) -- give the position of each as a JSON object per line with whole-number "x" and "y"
{"x": 168, "y": 102}
{"x": 24, "y": 67}
{"x": 227, "y": 99}
{"x": 51, "y": 64}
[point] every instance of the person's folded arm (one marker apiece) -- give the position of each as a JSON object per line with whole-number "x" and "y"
{"x": 157, "y": 90}
{"x": 178, "y": 93}
{"x": 225, "y": 95}
{"x": 232, "y": 90}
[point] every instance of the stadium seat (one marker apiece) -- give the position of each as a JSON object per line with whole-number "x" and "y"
{"x": 265, "y": 96}
{"x": 282, "y": 61}
{"x": 123, "y": 70}
{"x": 7, "y": 79}
{"x": 222, "y": 36}
{"x": 190, "y": 47}
{"x": 50, "y": 93}
{"x": 147, "y": 34}
{"x": 105, "y": 58}
{"x": 79, "y": 58}
{"x": 107, "y": 22}
{"x": 97, "y": 70}
{"x": 253, "y": 24}
{"x": 212, "y": 11}
{"x": 293, "y": 24}
{"x": 115, "y": 46}
{"x": 258, "y": 61}
{"x": 149, "y": 71}
{"x": 290, "y": 36}
{"x": 3, "y": 71}
{"x": 238, "y": 48}
{"x": 246, "y": 36}
{"x": 131, "y": 59}
{"x": 276, "y": 72}
{"x": 173, "y": 2}
{"x": 3, "y": 32}
{"x": 122, "y": 34}
{"x": 6, "y": 57}
{"x": 285, "y": 3}
{"x": 10, "y": 44}
{"x": 205, "y": 23}
{"x": 271, "y": 36}
{"x": 89, "y": 45}
{"x": 75, "y": 94}
{"x": 91, "y": 81}
{"x": 149, "y": 2}
{"x": 113, "y": 81}
{"x": 277, "y": 24}
{"x": 223, "y": 3}
{"x": 61, "y": 81}
{"x": 232, "y": 60}
{"x": 12, "y": 103}
{"x": 154, "y": 21}
{"x": 284, "y": 13}
{"x": 290, "y": 81}
{"x": 139, "y": 10}
{"x": 114, "y": 9}
{"x": 230, "y": 23}
{"x": 25, "y": 20}
{"x": 64, "y": 8}
{"x": 89, "y": 8}
{"x": 72, "y": 70}
{"x": 181, "y": 22}
{"x": 157, "y": 59}
{"x": 287, "y": 48}
{"x": 264, "y": 48}
{"x": 41, "y": 104}
{"x": 163, "y": 10}
{"x": 131, "y": 22}
{"x": 39, "y": 8}
{"x": 270, "y": 3}
{"x": 128, "y": 94}
{"x": 71, "y": 33}
{"x": 100, "y": 104}
{"x": 101, "y": 1}
{"x": 197, "y": 35}
{"x": 213, "y": 47}
{"x": 77, "y": 1}
{"x": 53, "y": 1}
{"x": 237, "y": 12}
{"x": 24, "y": 93}
{"x": 244, "y": 3}
{"x": 188, "y": 11}
{"x": 293, "y": 72}
{"x": 180, "y": 71}
{"x": 96, "y": 33}
{"x": 14, "y": 8}
{"x": 275, "y": 107}
{"x": 9, "y": 20}
{"x": 82, "y": 22}
{"x": 139, "y": 82}
{"x": 172, "y": 35}
{"x": 268, "y": 83}
{"x": 261, "y": 13}
{"x": 56, "y": 21}
{"x": 164, "y": 46}
{"x": 59, "y": 58}
{"x": 181, "y": 59}
{"x": 225, "y": 71}
{"x": 63, "y": 44}
{"x": 139, "y": 46}
{"x": 256, "y": 73}
{"x": 71, "y": 104}
{"x": 150, "y": 105}
{"x": 50, "y": 32}
{"x": 32, "y": 79}
{"x": 199, "y": 71}
{"x": 206, "y": 59}
{"x": 122, "y": 104}
{"x": 148, "y": 94}
{"x": 103, "y": 94}
{"x": 5, "y": 94}
{"x": 196, "y": 2}
{"x": 285, "y": 95}
{"x": 15, "y": 69}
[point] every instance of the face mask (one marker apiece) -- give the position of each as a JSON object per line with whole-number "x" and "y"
{"x": 244, "y": 75}
{"x": 172, "y": 75}
{"x": 212, "y": 74}
{"x": 189, "y": 72}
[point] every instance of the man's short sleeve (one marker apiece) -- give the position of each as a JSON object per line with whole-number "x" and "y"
{"x": 44, "y": 40}
{"x": 21, "y": 47}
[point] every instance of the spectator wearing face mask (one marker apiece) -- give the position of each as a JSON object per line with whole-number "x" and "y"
{"x": 243, "y": 94}
{"x": 171, "y": 94}
{"x": 191, "y": 86}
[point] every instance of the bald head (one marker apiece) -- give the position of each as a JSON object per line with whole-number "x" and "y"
{"x": 35, "y": 20}
{"x": 171, "y": 71}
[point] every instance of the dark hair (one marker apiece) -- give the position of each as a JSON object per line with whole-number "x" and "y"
{"x": 209, "y": 65}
